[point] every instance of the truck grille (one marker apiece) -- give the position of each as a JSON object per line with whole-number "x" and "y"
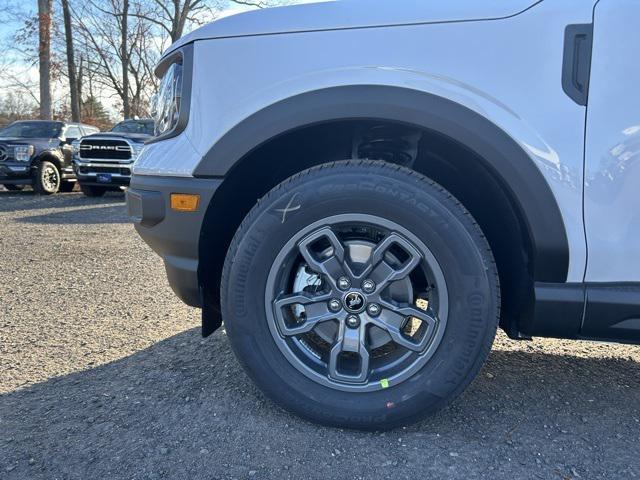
{"x": 103, "y": 149}
{"x": 4, "y": 153}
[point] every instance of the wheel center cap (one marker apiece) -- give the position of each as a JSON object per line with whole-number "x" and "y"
{"x": 354, "y": 302}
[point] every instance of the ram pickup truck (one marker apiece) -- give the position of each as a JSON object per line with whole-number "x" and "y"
{"x": 365, "y": 190}
{"x": 39, "y": 153}
{"x": 103, "y": 161}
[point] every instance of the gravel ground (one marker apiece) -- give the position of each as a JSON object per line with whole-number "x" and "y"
{"x": 103, "y": 374}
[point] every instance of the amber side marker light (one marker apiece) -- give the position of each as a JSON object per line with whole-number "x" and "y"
{"x": 185, "y": 202}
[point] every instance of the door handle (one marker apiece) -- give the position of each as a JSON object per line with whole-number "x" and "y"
{"x": 576, "y": 62}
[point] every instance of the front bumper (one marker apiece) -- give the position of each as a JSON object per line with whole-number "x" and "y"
{"x": 15, "y": 174}
{"x": 87, "y": 173}
{"x": 175, "y": 236}
{"x": 92, "y": 180}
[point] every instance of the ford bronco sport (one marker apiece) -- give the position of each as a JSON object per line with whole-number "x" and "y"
{"x": 363, "y": 191}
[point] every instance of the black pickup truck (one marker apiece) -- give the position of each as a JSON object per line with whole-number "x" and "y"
{"x": 39, "y": 153}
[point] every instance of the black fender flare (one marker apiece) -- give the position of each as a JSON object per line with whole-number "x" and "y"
{"x": 512, "y": 167}
{"x": 46, "y": 155}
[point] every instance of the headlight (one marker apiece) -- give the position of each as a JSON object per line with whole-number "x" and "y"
{"x": 136, "y": 149}
{"x": 170, "y": 106}
{"x": 75, "y": 147}
{"x": 167, "y": 105}
{"x": 23, "y": 153}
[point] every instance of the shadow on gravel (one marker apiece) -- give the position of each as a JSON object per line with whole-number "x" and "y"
{"x": 21, "y": 193}
{"x": 84, "y": 216}
{"x": 184, "y": 409}
{"x": 26, "y": 201}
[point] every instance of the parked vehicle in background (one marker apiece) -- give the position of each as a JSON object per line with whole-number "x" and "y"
{"x": 39, "y": 153}
{"x": 103, "y": 161}
{"x": 400, "y": 181}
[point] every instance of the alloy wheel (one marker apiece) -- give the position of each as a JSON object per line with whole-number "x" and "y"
{"x": 50, "y": 178}
{"x": 356, "y": 302}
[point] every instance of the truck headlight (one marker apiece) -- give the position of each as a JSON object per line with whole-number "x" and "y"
{"x": 23, "y": 153}
{"x": 168, "y": 100}
{"x": 136, "y": 149}
{"x": 75, "y": 147}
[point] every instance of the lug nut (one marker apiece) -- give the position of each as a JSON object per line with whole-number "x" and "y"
{"x": 368, "y": 286}
{"x": 335, "y": 305}
{"x": 353, "y": 321}
{"x": 373, "y": 309}
{"x": 344, "y": 283}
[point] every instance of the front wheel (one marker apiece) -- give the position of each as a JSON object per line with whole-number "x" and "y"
{"x": 360, "y": 294}
{"x": 47, "y": 178}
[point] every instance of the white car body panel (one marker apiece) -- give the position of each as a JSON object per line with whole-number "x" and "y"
{"x": 507, "y": 70}
{"x": 612, "y": 179}
{"x": 334, "y": 15}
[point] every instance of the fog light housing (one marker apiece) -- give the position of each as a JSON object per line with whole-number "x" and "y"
{"x": 185, "y": 202}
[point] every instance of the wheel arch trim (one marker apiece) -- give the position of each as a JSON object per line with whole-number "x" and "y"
{"x": 506, "y": 160}
{"x": 48, "y": 156}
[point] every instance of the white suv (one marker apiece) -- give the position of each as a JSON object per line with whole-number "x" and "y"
{"x": 365, "y": 190}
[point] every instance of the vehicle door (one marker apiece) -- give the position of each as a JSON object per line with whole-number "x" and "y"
{"x": 612, "y": 170}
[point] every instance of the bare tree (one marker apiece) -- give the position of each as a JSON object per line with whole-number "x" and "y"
{"x": 124, "y": 57}
{"x": 45, "y": 11}
{"x": 174, "y": 18}
{"x": 118, "y": 41}
{"x": 107, "y": 50}
{"x": 17, "y": 106}
{"x": 74, "y": 85}
{"x": 80, "y": 81}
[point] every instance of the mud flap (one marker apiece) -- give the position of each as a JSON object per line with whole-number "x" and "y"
{"x": 211, "y": 315}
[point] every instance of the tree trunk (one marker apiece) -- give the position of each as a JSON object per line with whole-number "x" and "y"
{"x": 180, "y": 19}
{"x": 126, "y": 104}
{"x": 45, "y": 8}
{"x": 79, "y": 82}
{"x": 71, "y": 63}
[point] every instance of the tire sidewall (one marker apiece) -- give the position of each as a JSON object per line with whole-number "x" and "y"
{"x": 39, "y": 183}
{"x": 428, "y": 213}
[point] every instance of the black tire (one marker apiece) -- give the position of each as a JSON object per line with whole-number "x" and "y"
{"x": 428, "y": 213}
{"x": 47, "y": 179}
{"x": 67, "y": 186}
{"x": 93, "y": 190}
{"x": 14, "y": 188}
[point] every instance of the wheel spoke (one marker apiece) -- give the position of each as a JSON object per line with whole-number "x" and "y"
{"x": 381, "y": 272}
{"x": 315, "y": 308}
{"x": 351, "y": 342}
{"x": 393, "y": 318}
{"x": 334, "y": 266}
